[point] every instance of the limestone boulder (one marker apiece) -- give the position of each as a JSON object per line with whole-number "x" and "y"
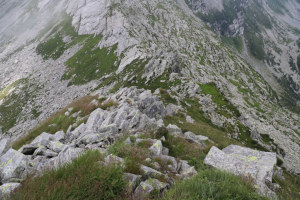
{"x": 247, "y": 162}
{"x": 13, "y": 166}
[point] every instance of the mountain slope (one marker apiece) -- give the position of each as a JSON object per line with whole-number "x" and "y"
{"x": 148, "y": 44}
{"x": 266, "y": 33}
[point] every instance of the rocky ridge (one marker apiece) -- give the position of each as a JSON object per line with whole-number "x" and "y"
{"x": 138, "y": 112}
{"x": 155, "y": 49}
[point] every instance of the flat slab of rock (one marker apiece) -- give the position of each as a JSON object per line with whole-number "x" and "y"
{"x": 7, "y": 188}
{"x": 247, "y": 162}
{"x": 12, "y": 166}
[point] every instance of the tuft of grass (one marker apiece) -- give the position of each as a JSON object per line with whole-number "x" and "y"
{"x": 83, "y": 179}
{"x": 213, "y": 184}
{"x": 182, "y": 149}
{"x": 59, "y": 121}
{"x": 134, "y": 156}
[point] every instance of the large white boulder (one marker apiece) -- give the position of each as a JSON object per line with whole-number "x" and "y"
{"x": 12, "y": 166}
{"x": 246, "y": 162}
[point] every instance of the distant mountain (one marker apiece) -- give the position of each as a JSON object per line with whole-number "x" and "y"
{"x": 266, "y": 33}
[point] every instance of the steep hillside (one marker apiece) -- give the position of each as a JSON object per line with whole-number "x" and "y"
{"x": 57, "y": 51}
{"x": 266, "y": 33}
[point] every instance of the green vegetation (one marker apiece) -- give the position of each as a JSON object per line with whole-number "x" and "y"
{"x": 134, "y": 156}
{"x": 85, "y": 178}
{"x": 5, "y": 91}
{"x": 289, "y": 187}
{"x": 182, "y": 149}
{"x": 266, "y": 138}
{"x": 225, "y": 108}
{"x": 54, "y": 46}
{"x": 236, "y": 42}
{"x": 90, "y": 62}
{"x": 14, "y": 103}
{"x": 59, "y": 121}
{"x": 213, "y": 184}
{"x": 135, "y": 70}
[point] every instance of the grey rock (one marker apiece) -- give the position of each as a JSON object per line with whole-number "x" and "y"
{"x": 64, "y": 157}
{"x": 151, "y": 106}
{"x": 172, "y": 109}
{"x": 111, "y": 129}
{"x": 189, "y": 119}
{"x": 185, "y": 170}
{"x": 95, "y": 119}
{"x": 132, "y": 180}
{"x": 145, "y": 188}
{"x": 173, "y": 166}
{"x": 76, "y": 133}
{"x": 56, "y": 146}
{"x": 44, "y": 136}
{"x": 29, "y": 149}
{"x": 247, "y": 162}
{"x": 4, "y": 145}
{"x": 195, "y": 138}
{"x": 156, "y": 148}
{"x": 13, "y": 165}
{"x": 174, "y": 130}
{"x": 40, "y": 151}
{"x": 92, "y": 138}
{"x": 149, "y": 172}
{"x": 59, "y": 136}
{"x": 112, "y": 159}
{"x": 50, "y": 154}
{"x": 143, "y": 191}
{"x": 165, "y": 151}
{"x": 278, "y": 172}
{"x": 7, "y": 188}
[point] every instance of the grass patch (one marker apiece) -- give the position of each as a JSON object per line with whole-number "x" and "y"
{"x": 225, "y": 108}
{"x": 13, "y": 103}
{"x": 134, "y": 155}
{"x": 236, "y": 42}
{"x": 90, "y": 62}
{"x": 182, "y": 149}
{"x": 59, "y": 121}
{"x": 54, "y": 46}
{"x": 213, "y": 184}
{"x": 266, "y": 138}
{"x": 290, "y": 187}
{"x": 83, "y": 179}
